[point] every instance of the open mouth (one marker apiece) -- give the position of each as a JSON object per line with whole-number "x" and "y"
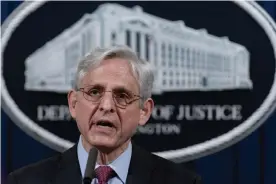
{"x": 105, "y": 124}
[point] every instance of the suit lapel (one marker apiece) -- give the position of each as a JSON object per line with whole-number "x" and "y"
{"x": 69, "y": 170}
{"x": 140, "y": 167}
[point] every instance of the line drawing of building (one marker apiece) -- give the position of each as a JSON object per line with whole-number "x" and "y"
{"x": 184, "y": 59}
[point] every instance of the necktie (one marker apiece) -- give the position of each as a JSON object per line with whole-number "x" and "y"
{"x": 104, "y": 173}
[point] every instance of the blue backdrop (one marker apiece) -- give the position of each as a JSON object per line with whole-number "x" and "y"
{"x": 251, "y": 161}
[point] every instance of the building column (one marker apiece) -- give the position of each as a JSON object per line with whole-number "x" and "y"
{"x": 151, "y": 51}
{"x": 133, "y": 39}
{"x": 143, "y": 45}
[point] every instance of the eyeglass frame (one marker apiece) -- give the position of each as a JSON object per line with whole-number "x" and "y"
{"x": 121, "y": 106}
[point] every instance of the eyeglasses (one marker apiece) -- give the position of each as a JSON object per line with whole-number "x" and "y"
{"x": 122, "y": 98}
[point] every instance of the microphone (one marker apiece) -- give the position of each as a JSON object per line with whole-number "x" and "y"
{"x": 89, "y": 174}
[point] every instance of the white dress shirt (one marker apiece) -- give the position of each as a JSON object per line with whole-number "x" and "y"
{"x": 120, "y": 165}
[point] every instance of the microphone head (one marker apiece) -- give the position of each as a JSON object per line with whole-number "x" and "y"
{"x": 89, "y": 174}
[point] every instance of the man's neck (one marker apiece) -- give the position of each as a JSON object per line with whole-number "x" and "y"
{"x": 106, "y": 157}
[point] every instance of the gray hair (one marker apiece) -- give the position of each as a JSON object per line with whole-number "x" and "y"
{"x": 141, "y": 69}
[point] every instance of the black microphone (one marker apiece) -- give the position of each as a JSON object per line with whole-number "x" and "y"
{"x": 89, "y": 174}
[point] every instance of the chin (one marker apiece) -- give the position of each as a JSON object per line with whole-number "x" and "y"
{"x": 102, "y": 141}
{"x": 104, "y": 147}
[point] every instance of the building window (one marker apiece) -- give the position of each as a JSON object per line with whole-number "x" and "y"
{"x": 182, "y": 60}
{"x": 113, "y": 38}
{"x": 138, "y": 44}
{"x": 128, "y": 38}
{"x": 171, "y": 73}
{"x": 147, "y": 46}
{"x": 188, "y": 58}
{"x": 170, "y": 56}
{"x": 171, "y": 82}
{"x": 163, "y": 53}
{"x": 176, "y": 56}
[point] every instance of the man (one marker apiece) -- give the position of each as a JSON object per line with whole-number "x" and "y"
{"x": 111, "y": 97}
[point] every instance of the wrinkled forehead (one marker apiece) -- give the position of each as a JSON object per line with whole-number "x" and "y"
{"x": 111, "y": 74}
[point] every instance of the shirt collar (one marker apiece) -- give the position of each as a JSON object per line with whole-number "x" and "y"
{"x": 119, "y": 165}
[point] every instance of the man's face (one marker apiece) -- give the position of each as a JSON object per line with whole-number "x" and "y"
{"x": 105, "y": 124}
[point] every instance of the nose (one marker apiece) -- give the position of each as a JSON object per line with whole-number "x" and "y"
{"x": 107, "y": 103}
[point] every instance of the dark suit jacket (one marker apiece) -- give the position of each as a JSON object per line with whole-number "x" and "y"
{"x": 145, "y": 168}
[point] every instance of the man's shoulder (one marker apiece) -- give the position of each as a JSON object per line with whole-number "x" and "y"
{"x": 175, "y": 171}
{"x": 167, "y": 170}
{"x": 36, "y": 167}
{"x": 38, "y": 170}
{"x": 42, "y": 170}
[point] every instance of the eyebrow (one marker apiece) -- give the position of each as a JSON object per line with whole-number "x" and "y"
{"x": 117, "y": 89}
{"x": 93, "y": 86}
{"x": 122, "y": 89}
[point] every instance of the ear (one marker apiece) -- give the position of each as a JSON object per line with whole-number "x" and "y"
{"x": 72, "y": 100}
{"x": 145, "y": 113}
